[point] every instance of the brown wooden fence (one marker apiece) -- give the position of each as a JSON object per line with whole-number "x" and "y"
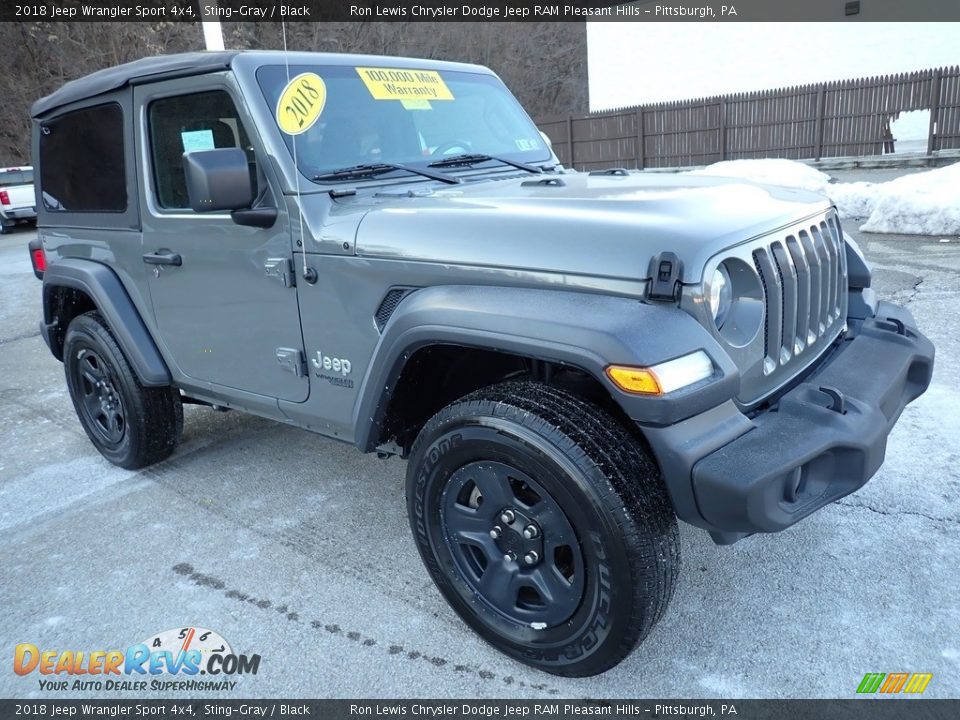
{"x": 836, "y": 119}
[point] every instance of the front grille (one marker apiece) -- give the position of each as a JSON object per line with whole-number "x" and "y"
{"x": 804, "y": 274}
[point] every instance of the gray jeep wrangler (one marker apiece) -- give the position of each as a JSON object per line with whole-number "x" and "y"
{"x": 386, "y": 251}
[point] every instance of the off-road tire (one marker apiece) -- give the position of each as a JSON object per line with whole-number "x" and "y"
{"x": 605, "y": 485}
{"x": 152, "y": 418}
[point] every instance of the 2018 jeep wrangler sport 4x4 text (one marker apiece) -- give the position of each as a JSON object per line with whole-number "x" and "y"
{"x": 386, "y": 251}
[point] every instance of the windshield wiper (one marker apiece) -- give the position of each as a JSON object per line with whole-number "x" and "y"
{"x": 473, "y": 158}
{"x": 358, "y": 172}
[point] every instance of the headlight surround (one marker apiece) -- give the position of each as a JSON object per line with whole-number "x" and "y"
{"x": 720, "y": 295}
{"x": 734, "y": 299}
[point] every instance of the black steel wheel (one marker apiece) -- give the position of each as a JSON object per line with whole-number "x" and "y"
{"x": 545, "y": 525}
{"x": 100, "y": 405}
{"x": 512, "y": 543}
{"x": 132, "y": 426}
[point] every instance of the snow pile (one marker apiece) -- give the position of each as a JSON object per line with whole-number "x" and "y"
{"x": 924, "y": 203}
{"x": 769, "y": 171}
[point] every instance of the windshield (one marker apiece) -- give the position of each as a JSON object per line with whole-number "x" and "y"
{"x": 343, "y": 117}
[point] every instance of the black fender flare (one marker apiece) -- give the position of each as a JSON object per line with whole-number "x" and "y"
{"x": 104, "y": 288}
{"x": 585, "y": 330}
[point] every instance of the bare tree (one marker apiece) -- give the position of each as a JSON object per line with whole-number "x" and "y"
{"x": 40, "y": 57}
{"x": 545, "y": 64}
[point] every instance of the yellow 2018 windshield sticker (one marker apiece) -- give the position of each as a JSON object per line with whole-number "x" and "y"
{"x": 400, "y": 84}
{"x": 301, "y": 103}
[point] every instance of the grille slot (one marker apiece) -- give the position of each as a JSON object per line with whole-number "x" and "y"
{"x": 802, "y": 268}
{"x": 788, "y": 319}
{"x": 804, "y": 285}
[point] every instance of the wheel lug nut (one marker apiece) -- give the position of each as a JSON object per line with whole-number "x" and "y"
{"x": 510, "y": 556}
{"x": 496, "y": 532}
{"x": 531, "y": 557}
{"x": 507, "y": 516}
{"x": 531, "y": 531}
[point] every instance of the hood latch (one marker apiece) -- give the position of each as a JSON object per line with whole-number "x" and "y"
{"x": 665, "y": 271}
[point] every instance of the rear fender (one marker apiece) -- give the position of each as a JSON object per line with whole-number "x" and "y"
{"x": 104, "y": 288}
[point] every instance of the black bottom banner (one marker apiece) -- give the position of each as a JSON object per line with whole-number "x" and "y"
{"x": 868, "y": 709}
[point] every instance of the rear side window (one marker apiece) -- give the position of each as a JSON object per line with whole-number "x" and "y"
{"x": 81, "y": 161}
{"x": 16, "y": 177}
{"x": 187, "y": 123}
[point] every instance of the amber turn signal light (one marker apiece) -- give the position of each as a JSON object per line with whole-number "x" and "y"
{"x": 634, "y": 380}
{"x": 664, "y": 377}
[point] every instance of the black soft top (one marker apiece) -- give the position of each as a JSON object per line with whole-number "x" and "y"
{"x": 145, "y": 70}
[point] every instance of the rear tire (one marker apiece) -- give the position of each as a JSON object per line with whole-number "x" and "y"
{"x": 132, "y": 426}
{"x": 601, "y": 564}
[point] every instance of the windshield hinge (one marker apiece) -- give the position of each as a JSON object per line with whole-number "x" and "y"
{"x": 665, "y": 271}
{"x": 281, "y": 268}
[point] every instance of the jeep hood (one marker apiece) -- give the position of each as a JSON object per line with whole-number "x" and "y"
{"x": 603, "y": 226}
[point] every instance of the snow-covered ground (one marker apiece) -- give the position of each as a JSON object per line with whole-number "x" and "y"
{"x": 924, "y": 203}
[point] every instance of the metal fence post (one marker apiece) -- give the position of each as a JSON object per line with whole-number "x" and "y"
{"x": 821, "y": 111}
{"x": 934, "y": 107}
{"x": 723, "y": 128}
{"x": 641, "y": 139}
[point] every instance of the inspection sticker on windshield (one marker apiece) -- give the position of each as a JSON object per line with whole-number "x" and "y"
{"x": 301, "y": 103}
{"x": 417, "y": 104}
{"x": 397, "y": 84}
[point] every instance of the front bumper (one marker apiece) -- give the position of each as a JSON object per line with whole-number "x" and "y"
{"x": 821, "y": 441}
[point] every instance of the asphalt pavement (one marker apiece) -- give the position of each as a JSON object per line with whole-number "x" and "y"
{"x": 297, "y": 548}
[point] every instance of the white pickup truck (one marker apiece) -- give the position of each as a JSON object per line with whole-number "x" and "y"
{"x": 17, "y": 200}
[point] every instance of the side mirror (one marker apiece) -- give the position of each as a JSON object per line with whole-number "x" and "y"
{"x": 218, "y": 180}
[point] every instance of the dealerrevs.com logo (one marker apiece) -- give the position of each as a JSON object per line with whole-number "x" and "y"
{"x": 170, "y": 660}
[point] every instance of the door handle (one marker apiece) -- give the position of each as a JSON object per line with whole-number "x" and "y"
{"x": 163, "y": 257}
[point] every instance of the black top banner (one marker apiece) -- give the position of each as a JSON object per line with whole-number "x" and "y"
{"x": 477, "y": 11}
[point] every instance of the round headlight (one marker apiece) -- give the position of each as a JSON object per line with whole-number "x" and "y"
{"x": 720, "y": 295}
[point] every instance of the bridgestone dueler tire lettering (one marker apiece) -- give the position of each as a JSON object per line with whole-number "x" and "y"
{"x": 607, "y": 486}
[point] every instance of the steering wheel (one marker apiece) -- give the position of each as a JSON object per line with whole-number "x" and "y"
{"x": 445, "y": 148}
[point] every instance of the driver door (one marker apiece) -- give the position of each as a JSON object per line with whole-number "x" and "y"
{"x": 227, "y": 312}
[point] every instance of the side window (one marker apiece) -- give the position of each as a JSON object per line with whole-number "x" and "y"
{"x": 81, "y": 161}
{"x": 182, "y": 124}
